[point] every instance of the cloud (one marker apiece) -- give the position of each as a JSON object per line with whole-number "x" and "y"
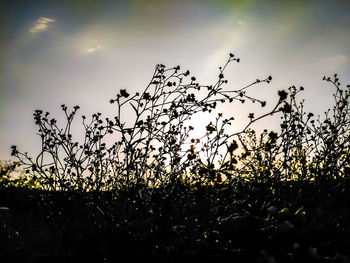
{"x": 93, "y": 49}
{"x": 41, "y": 24}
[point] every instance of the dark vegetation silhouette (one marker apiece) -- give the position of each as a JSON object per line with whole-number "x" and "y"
{"x": 157, "y": 191}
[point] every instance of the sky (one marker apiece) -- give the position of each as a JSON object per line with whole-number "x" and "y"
{"x": 83, "y": 52}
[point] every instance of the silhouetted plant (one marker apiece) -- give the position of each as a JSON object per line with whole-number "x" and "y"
{"x": 164, "y": 189}
{"x": 149, "y": 147}
{"x": 154, "y": 143}
{"x": 306, "y": 148}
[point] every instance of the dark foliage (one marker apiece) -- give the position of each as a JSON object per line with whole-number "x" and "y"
{"x": 300, "y": 221}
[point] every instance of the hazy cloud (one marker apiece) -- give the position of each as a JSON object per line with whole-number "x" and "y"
{"x": 41, "y": 24}
{"x": 93, "y": 49}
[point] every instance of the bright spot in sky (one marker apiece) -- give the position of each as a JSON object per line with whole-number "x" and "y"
{"x": 41, "y": 24}
{"x": 93, "y": 49}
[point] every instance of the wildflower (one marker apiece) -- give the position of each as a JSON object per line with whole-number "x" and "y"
{"x": 233, "y": 146}
{"x": 273, "y": 136}
{"x": 146, "y": 96}
{"x": 14, "y": 150}
{"x": 124, "y": 93}
{"x": 283, "y": 94}
{"x": 191, "y": 156}
{"x": 287, "y": 108}
{"x": 210, "y": 127}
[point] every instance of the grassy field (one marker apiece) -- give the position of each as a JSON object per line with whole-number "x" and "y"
{"x": 247, "y": 222}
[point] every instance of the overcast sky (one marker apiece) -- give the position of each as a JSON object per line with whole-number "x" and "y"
{"x": 83, "y": 52}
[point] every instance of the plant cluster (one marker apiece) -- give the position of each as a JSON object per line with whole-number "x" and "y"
{"x": 154, "y": 142}
{"x": 162, "y": 191}
{"x": 150, "y": 142}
